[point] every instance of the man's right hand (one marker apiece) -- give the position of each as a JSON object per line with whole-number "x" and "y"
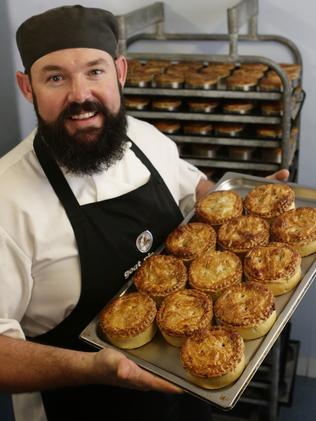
{"x": 116, "y": 369}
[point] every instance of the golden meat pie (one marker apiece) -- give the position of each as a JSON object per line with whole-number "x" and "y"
{"x": 277, "y": 266}
{"x": 243, "y": 233}
{"x": 270, "y": 200}
{"x": 214, "y": 358}
{"x": 190, "y": 240}
{"x": 182, "y": 314}
{"x": 160, "y": 275}
{"x": 219, "y": 207}
{"x": 297, "y": 228}
{"x": 247, "y": 308}
{"x": 129, "y": 321}
{"x": 214, "y": 271}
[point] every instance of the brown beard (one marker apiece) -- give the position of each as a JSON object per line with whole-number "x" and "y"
{"x": 74, "y": 152}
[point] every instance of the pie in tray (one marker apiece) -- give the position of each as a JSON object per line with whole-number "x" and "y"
{"x": 248, "y": 308}
{"x": 182, "y": 314}
{"x": 160, "y": 275}
{"x": 219, "y": 207}
{"x": 214, "y": 271}
{"x": 297, "y": 228}
{"x": 277, "y": 266}
{"x": 270, "y": 200}
{"x": 129, "y": 321}
{"x": 190, "y": 240}
{"x": 214, "y": 358}
{"x": 243, "y": 233}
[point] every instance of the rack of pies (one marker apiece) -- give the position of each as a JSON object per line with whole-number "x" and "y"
{"x": 231, "y": 111}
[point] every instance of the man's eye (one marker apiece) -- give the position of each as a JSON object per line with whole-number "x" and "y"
{"x": 96, "y": 72}
{"x": 55, "y": 78}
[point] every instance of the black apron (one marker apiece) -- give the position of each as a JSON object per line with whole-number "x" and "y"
{"x": 106, "y": 233}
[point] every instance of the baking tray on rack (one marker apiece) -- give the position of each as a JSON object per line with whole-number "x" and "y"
{"x": 163, "y": 360}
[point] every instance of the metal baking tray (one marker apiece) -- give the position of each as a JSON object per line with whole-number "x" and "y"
{"x": 162, "y": 359}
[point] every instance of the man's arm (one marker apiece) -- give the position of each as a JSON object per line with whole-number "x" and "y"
{"x": 27, "y": 367}
{"x": 205, "y": 185}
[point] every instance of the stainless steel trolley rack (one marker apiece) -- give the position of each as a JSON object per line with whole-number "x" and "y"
{"x": 132, "y": 27}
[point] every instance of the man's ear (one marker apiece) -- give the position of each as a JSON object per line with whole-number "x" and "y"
{"x": 121, "y": 68}
{"x": 24, "y": 84}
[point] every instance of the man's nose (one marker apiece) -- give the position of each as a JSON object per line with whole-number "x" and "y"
{"x": 79, "y": 91}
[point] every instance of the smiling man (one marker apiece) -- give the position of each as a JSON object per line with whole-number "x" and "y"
{"x": 84, "y": 199}
{"x": 79, "y": 196}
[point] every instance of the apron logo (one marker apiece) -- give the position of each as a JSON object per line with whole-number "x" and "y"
{"x": 144, "y": 241}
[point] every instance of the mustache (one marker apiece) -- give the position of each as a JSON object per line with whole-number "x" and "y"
{"x": 75, "y": 108}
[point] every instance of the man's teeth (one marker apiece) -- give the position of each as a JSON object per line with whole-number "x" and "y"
{"x": 83, "y": 116}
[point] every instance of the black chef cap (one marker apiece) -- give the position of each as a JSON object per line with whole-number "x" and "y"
{"x": 66, "y": 27}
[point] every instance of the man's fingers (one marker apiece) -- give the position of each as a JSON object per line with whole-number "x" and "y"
{"x": 137, "y": 377}
{"x": 281, "y": 175}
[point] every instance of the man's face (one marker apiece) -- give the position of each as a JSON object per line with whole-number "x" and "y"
{"x": 77, "y": 98}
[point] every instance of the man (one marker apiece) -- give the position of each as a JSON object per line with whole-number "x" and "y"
{"x": 75, "y": 197}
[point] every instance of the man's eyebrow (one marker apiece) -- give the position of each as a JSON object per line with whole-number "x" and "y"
{"x": 50, "y": 67}
{"x": 96, "y": 62}
{"x": 55, "y": 67}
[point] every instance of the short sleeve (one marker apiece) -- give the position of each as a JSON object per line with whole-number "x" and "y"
{"x": 15, "y": 286}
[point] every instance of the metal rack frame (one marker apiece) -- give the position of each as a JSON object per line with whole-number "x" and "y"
{"x": 131, "y": 27}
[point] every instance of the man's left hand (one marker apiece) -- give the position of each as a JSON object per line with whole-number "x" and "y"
{"x": 281, "y": 175}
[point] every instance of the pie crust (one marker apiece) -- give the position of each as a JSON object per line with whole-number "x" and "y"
{"x": 160, "y": 275}
{"x": 248, "y": 308}
{"x": 238, "y": 107}
{"x": 198, "y": 128}
{"x": 214, "y": 357}
{"x": 166, "y": 104}
{"x": 274, "y": 132}
{"x": 243, "y": 233}
{"x": 129, "y": 321}
{"x": 254, "y": 66}
{"x": 229, "y": 129}
{"x": 277, "y": 266}
{"x": 167, "y": 126}
{"x": 219, "y": 207}
{"x": 190, "y": 240}
{"x": 297, "y": 228}
{"x": 270, "y": 200}
{"x": 182, "y": 314}
{"x": 135, "y": 102}
{"x": 213, "y": 271}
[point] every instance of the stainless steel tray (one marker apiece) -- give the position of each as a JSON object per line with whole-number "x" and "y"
{"x": 163, "y": 359}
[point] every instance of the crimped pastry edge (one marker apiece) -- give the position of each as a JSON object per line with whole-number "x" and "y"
{"x": 246, "y": 245}
{"x": 301, "y": 238}
{"x": 184, "y": 253}
{"x": 205, "y": 216}
{"x": 281, "y": 286}
{"x": 257, "y": 319}
{"x": 254, "y": 332}
{"x": 141, "y": 273}
{"x": 283, "y": 273}
{"x": 205, "y": 372}
{"x": 230, "y": 280}
{"x": 105, "y": 327}
{"x": 217, "y": 382}
{"x": 287, "y": 203}
{"x": 205, "y": 320}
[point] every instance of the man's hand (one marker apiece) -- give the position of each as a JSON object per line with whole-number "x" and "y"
{"x": 114, "y": 368}
{"x": 281, "y": 175}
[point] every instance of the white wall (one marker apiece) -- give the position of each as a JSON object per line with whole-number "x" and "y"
{"x": 290, "y": 18}
{"x": 8, "y": 106}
